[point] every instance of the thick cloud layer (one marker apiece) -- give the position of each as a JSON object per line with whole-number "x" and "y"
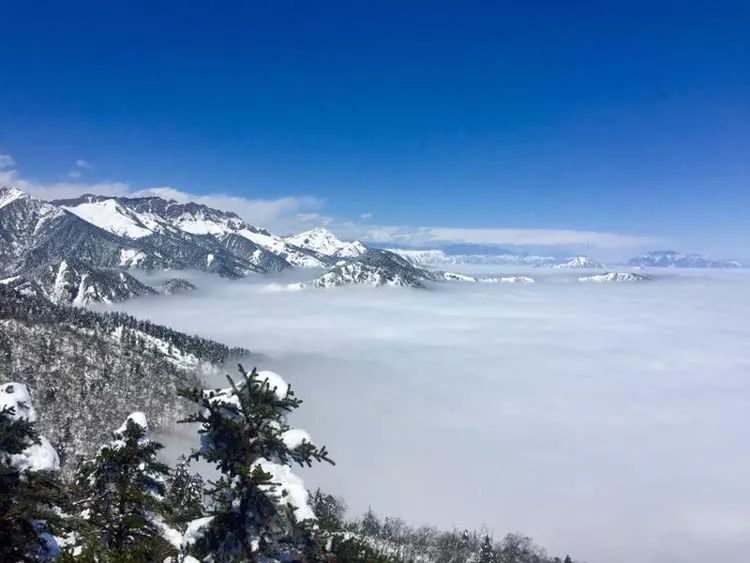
{"x": 608, "y": 421}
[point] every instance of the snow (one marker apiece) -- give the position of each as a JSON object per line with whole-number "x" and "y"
{"x": 16, "y": 395}
{"x": 110, "y": 216}
{"x": 324, "y": 242}
{"x": 60, "y": 289}
{"x": 138, "y": 418}
{"x": 289, "y": 488}
{"x": 578, "y": 262}
{"x": 507, "y": 279}
{"x": 199, "y": 224}
{"x": 613, "y": 277}
{"x": 275, "y": 382}
{"x": 276, "y": 245}
{"x": 37, "y": 457}
{"x": 173, "y": 536}
{"x": 209, "y": 260}
{"x": 349, "y": 273}
{"x": 9, "y": 195}
{"x": 450, "y": 276}
{"x": 195, "y": 530}
{"x": 130, "y": 257}
{"x": 295, "y": 437}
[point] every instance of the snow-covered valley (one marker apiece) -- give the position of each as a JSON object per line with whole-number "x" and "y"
{"x": 583, "y": 414}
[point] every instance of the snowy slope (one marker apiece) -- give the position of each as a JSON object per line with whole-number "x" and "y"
{"x": 672, "y": 259}
{"x": 376, "y": 268}
{"x": 577, "y": 263}
{"x": 324, "y": 242}
{"x": 613, "y": 277}
{"x": 8, "y": 195}
{"x": 109, "y": 215}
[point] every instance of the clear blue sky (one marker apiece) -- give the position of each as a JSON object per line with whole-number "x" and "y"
{"x": 630, "y": 117}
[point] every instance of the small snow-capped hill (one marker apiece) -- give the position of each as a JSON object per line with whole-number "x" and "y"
{"x": 376, "y": 268}
{"x": 86, "y": 371}
{"x": 576, "y": 263}
{"x": 176, "y": 286}
{"x": 324, "y": 242}
{"x": 450, "y": 276}
{"x": 672, "y": 259}
{"x": 70, "y": 282}
{"x": 615, "y": 277}
{"x": 507, "y": 279}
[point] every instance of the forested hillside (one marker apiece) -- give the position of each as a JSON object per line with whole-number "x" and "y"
{"x": 88, "y": 370}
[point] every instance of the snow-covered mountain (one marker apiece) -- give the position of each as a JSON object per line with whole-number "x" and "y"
{"x": 615, "y": 277}
{"x": 91, "y": 241}
{"x": 175, "y": 286}
{"x": 376, "y": 268}
{"x": 575, "y": 263}
{"x": 672, "y": 259}
{"x": 450, "y": 276}
{"x": 71, "y": 282}
{"x": 325, "y": 243}
{"x": 437, "y": 258}
{"x": 194, "y": 235}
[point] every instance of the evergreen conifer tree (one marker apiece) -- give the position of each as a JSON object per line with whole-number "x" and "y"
{"x": 370, "y": 525}
{"x": 184, "y": 497}
{"x": 258, "y": 507}
{"x": 329, "y": 510}
{"x": 487, "y": 551}
{"x": 123, "y": 487}
{"x": 31, "y": 495}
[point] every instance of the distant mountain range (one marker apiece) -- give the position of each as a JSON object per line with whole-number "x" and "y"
{"x": 655, "y": 259}
{"x": 442, "y": 258}
{"x": 672, "y": 259}
{"x": 84, "y": 250}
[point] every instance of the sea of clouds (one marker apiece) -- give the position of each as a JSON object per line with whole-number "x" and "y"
{"x": 609, "y": 421}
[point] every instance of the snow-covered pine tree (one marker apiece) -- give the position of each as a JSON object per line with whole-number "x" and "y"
{"x": 258, "y": 507}
{"x": 31, "y": 495}
{"x": 329, "y": 510}
{"x": 184, "y": 497}
{"x": 370, "y": 525}
{"x": 123, "y": 489}
{"x": 487, "y": 551}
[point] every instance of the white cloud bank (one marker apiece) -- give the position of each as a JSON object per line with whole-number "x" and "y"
{"x": 608, "y": 421}
{"x": 287, "y": 215}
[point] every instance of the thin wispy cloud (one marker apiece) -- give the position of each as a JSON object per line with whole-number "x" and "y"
{"x": 6, "y": 161}
{"x": 78, "y": 169}
{"x": 425, "y": 236}
{"x": 286, "y": 215}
